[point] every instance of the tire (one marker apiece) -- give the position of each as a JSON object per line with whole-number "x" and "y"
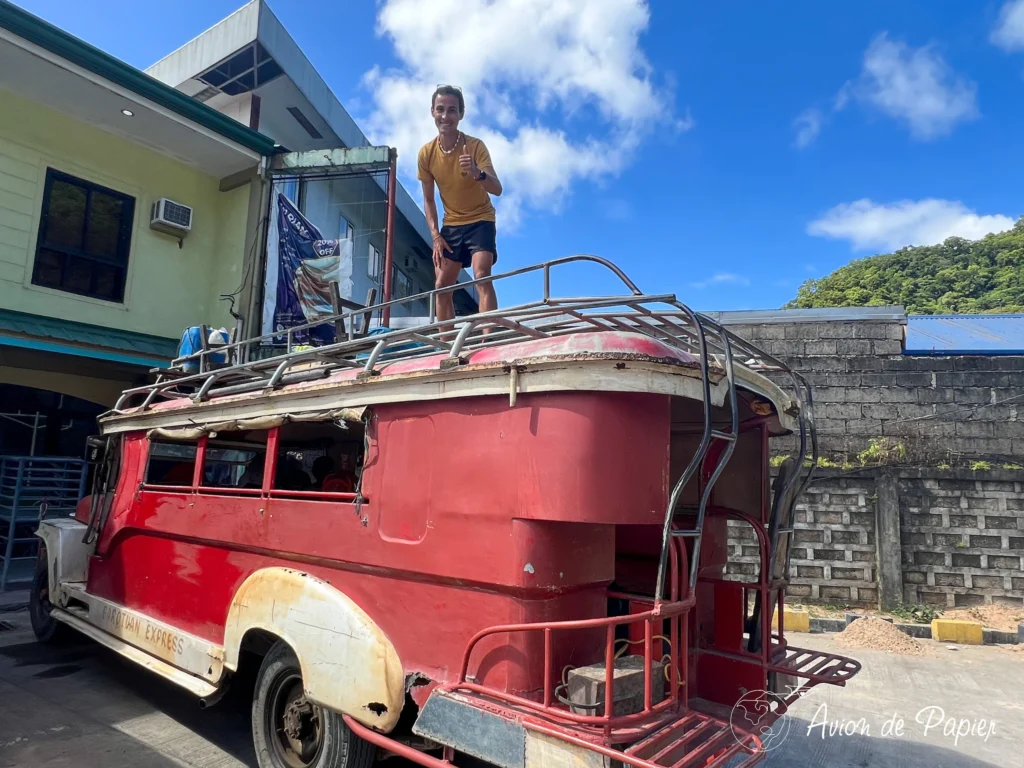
{"x": 289, "y": 731}
{"x": 46, "y": 628}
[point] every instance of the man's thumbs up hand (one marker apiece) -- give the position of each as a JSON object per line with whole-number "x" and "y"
{"x": 466, "y": 161}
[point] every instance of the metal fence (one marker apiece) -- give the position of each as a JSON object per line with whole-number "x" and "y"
{"x": 32, "y": 488}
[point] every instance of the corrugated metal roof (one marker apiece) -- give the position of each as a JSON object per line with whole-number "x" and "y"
{"x": 816, "y": 315}
{"x": 965, "y": 335}
{"x": 21, "y": 329}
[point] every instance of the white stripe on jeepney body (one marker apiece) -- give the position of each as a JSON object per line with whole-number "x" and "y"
{"x": 185, "y": 651}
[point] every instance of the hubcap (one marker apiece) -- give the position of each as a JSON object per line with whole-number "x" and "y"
{"x": 297, "y": 723}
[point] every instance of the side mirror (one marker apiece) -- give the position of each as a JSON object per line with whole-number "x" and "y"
{"x": 95, "y": 449}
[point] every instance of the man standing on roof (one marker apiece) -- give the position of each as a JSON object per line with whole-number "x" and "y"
{"x": 461, "y": 167}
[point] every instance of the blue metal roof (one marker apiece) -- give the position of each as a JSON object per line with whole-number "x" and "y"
{"x": 965, "y": 335}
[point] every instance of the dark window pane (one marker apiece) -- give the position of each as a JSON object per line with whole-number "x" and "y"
{"x": 237, "y": 467}
{"x": 234, "y": 88}
{"x": 78, "y": 275}
{"x": 268, "y": 72}
{"x": 214, "y": 77}
{"x": 102, "y": 233}
{"x": 171, "y": 463}
{"x": 48, "y": 269}
{"x": 84, "y": 238}
{"x": 65, "y": 216}
{"x": 109, "y": 282}
{"x": 248, "y": 80}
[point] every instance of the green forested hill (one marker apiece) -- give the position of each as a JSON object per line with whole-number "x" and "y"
{"x": 957, "y": 277}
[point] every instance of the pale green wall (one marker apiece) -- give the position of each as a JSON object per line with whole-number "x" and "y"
{"x": 167, "y": 288}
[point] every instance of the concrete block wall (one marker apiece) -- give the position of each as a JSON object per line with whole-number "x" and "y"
{"x": 919, "y": 535}
{"x": 942, "y": 409}
{"x": 962, "y": 538}
{"x": 833, "y": 557}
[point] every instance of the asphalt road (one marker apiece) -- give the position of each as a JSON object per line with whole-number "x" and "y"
{"x": 81, "y": 705}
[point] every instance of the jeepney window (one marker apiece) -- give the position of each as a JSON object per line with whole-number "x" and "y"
{"x": 231, "y": 463}
{"x": 171, "y": 463}
{"x": 321, "y": 456}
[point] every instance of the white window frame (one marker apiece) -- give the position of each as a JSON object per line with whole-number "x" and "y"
{"x": 375, "y": 263}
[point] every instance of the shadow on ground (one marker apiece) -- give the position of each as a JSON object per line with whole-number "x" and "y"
{"x": 809, "y": 750}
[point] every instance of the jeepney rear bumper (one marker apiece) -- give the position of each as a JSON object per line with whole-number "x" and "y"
{"x": 471, "y": 725}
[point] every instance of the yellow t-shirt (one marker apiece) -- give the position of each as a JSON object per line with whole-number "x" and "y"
{"x": 465, "y": 201}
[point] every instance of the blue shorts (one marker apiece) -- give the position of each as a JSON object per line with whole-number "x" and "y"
{"x": 467, "y": 239}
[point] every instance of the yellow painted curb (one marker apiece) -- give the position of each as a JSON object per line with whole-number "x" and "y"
{"x": 796, "y": 619}
{"x": 953, "y": 631}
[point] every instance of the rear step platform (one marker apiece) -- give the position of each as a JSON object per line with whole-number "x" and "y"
{"x": 814, "y": 666}
{"x": 515, "y": 739}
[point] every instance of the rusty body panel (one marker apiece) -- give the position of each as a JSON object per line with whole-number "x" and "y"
{"x": 348, "y": 664}
{"x": 507, "y": 524}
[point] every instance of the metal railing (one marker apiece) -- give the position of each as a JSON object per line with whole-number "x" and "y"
{"x": 271, "y": 360}
{"x": 243, "y": 367}
{"x": 30, "y": 489}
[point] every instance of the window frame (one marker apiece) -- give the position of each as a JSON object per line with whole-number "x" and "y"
{"x": 124, "y": 236}
{"x": 269, "y": 473}
{"x": 396, "y": 280}
{"x": 375, "y": 258}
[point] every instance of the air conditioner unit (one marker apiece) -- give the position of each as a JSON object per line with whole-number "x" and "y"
{"x": 171, "y": 218}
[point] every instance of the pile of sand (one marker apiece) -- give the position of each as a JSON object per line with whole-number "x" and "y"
{"x": 1002, "y": 617}
{"x": 878, "y": 635}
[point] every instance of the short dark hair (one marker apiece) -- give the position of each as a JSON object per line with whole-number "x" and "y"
{"x": 449, "y": 90}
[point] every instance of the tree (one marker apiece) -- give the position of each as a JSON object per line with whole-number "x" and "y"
{"x": 957, "y": 277}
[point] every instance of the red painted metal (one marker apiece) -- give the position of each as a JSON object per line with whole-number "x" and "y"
{"x": 389, "y": 236}
{"x": 400, "y": 749}
{"x": 559, "y": 347}
{"x": 484, "y": 546}
{"x": 752, "y": 745}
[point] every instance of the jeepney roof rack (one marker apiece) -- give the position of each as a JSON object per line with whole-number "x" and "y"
{"x": 269, "y": 361}
{"x": 256, "y": 364}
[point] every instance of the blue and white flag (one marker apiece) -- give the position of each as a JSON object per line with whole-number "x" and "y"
{"x": 301, "y": 265}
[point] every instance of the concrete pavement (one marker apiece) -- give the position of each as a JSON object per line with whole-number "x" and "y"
{"x": 83, "y": 706}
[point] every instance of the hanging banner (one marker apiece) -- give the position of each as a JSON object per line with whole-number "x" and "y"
{"x": 301, "y": 265}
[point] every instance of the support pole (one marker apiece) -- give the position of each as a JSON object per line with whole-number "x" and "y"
{"x": 389, "y": 236}
{"x": 889, "y": 544}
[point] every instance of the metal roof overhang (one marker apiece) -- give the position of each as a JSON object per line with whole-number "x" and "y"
{"x": 965, "y": 335}
{"x": 50, "y": 67}
{"x": 48, "y": 334}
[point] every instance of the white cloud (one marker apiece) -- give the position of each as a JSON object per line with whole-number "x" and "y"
{"x": 915, "y": 86}
{"x": 722, "y": 278}
{"x": 552, "y": 60}
{"x": 1008, "y": 33}
{"x": 808, "y": 126}
{"x": 869, "y": 225}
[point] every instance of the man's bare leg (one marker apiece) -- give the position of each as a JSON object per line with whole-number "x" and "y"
{"x": 482, "y": 263}
{"x": 444, "y": 276}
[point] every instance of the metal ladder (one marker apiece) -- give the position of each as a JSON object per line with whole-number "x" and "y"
{"x": 709, "y": 437}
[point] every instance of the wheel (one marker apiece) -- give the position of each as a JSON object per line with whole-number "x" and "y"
{"x": 46, "y": 628}
{"x": 290, "y": 731}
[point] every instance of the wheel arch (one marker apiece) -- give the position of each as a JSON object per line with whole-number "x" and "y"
{"x": 348, "y": 664}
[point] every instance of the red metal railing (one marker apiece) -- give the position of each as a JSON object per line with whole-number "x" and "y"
{"x": 675, "y": 611}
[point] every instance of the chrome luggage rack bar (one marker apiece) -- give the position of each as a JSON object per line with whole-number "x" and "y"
{"x": 245, "y": 365}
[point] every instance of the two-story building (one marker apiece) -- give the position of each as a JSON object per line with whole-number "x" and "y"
{"x": 249, "y": 67}
{"x": 94, "y": 292}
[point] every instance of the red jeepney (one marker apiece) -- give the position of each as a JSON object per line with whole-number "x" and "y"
{"x": 505, "y": 537}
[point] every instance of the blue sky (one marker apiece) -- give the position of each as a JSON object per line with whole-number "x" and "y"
{"x": 722, "y": 151}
